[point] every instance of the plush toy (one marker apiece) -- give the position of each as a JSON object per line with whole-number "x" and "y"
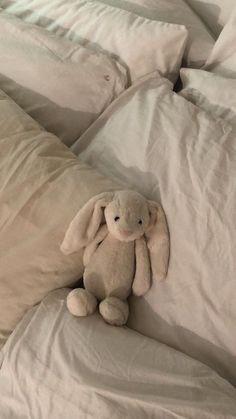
{"x": 126, "y": 242}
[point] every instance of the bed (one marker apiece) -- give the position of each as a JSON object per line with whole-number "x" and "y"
{"x": 98, "y": 96}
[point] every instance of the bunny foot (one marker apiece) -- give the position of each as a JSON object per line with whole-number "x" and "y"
{"x": 81, "y": 302}
{"x": 114, "y": 311}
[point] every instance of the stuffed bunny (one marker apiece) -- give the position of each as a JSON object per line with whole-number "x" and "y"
{"x": 126, "y": 240}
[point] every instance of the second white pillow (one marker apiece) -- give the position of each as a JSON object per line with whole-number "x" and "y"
{"x": 62, "y": 85}
{"x": 141, "y": 45}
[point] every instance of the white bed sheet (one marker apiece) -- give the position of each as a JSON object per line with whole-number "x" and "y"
{"x": 58, "y": 366}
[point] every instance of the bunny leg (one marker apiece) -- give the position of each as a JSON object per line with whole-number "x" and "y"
{"x": 114, "y": 311}
{"x": 81, "y": 302}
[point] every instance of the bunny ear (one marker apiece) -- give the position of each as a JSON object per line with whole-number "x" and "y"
{"x": 85, "y": 224}
{"x": 158, "y": 241}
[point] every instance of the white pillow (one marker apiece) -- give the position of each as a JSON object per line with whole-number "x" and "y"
{"x": 42, "y": 187}
{"x": 62, "y": 85}
{"x": 211, "y": 92}
{"x": 56, "y": 16}
{"x": 157, "y": 142}
{"x": 141, "y": 45}
{"x": 222, "y": 59}
{"x": 200, "y": 40}
{"x": 215, "y": 13}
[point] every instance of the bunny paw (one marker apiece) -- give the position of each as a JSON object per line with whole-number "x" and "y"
{"x": 81, "y": 303}
{"x": 114, "y": 311}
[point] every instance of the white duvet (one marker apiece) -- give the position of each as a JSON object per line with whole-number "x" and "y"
{"x": 58, "y": 366}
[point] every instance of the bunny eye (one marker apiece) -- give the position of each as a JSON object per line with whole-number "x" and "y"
{"x": 140, "y": 222}
{"x": 116, "y": 218}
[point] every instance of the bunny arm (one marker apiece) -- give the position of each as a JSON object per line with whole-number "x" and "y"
{"x": 142, "y": 278}
{"x": 92, "y": 246}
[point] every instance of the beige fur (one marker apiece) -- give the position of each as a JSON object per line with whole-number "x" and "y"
{"x": 126, "y": 240}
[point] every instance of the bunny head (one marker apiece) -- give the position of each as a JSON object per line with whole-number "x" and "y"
{"x": 128, "y": 216}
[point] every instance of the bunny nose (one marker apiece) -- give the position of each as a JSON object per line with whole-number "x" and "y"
{"x": 126, "y": 232}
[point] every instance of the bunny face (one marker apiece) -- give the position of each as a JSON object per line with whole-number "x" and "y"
{"x": 127, "y": 216}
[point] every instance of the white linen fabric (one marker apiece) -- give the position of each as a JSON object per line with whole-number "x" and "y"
{"x": 222, "y": 59}
{"x": 42, "y": 186}
{"x": 62, "y": 85}
{"x": 215, "y": 13}
{"x": 56, "y": 365}
{"x": 157, "y": 142}
{"x": 141, "y": 45}
{"x": 211, "y": 92}
{"x": 56, "y": 16}
{"x": 200, "y": 39}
